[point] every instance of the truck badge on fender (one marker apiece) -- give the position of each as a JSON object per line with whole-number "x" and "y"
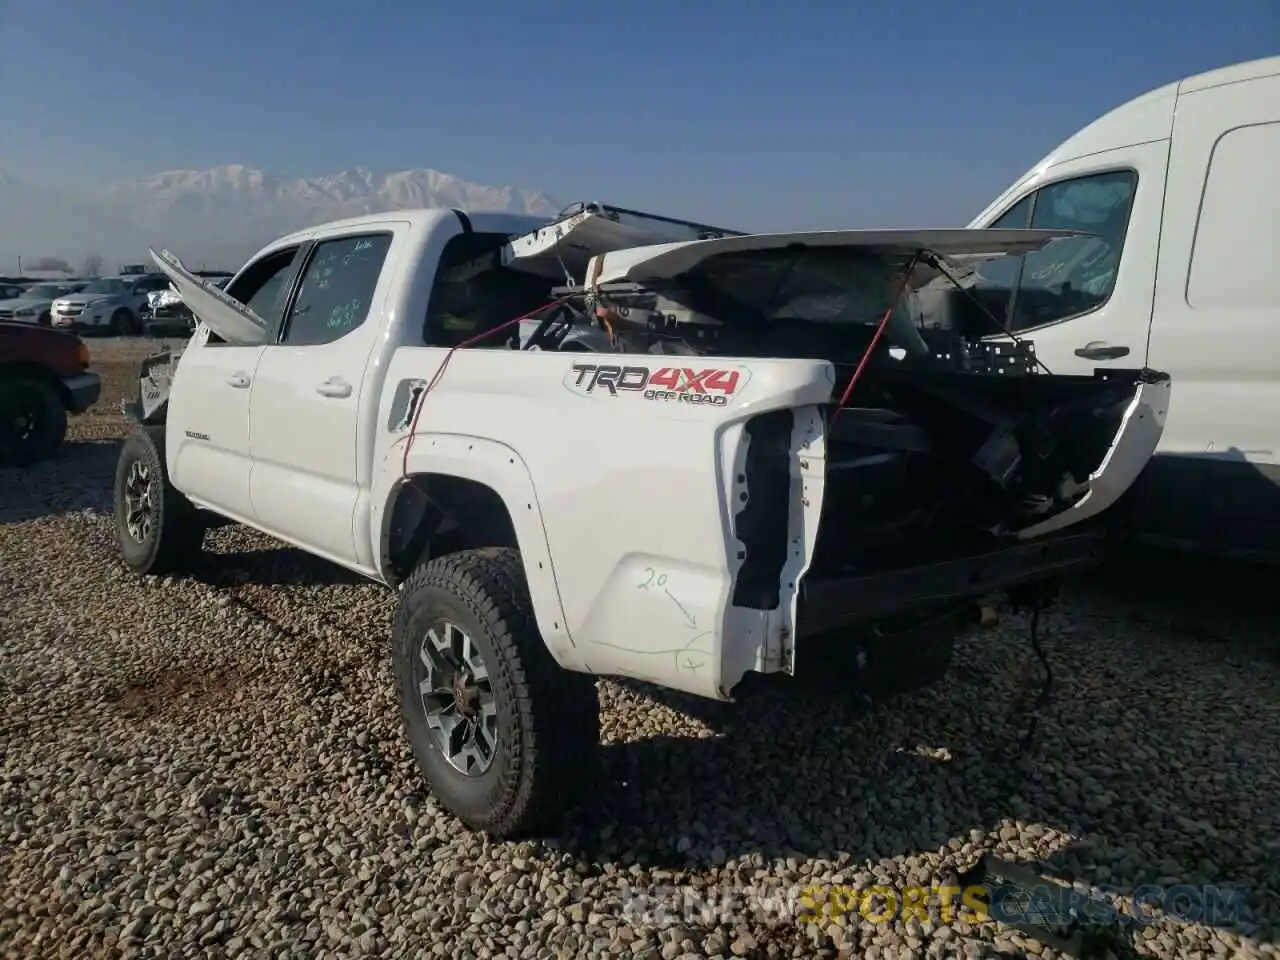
{"x": 713, "y": 386}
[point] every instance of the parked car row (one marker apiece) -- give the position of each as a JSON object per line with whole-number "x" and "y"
{"x": 130, "y": 303}
{"x": 33, "y": 302}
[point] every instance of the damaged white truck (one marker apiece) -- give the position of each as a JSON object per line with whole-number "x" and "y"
{"x": 622, "y": 444}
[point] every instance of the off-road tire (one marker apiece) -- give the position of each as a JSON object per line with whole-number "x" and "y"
{"x": 176, "y": 533}
{"x": 36, "y": 401}
{"x": 548, "y": 717}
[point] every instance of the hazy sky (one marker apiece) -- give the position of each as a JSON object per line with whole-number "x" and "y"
{"x": 766, "y": 115}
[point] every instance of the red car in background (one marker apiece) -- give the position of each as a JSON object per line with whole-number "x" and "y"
{"x": 44, "y": 377}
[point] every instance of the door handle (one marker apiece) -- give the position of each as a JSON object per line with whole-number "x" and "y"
{"x": 238, "y": 380}
{"x": 1097, "y": 350}
{"x": 334, "y": 387}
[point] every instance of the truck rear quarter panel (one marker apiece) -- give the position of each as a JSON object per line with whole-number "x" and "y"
{"x": 622, "y": 493}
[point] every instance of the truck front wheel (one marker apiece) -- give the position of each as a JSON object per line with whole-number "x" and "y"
{"x": 502, "y": 734}
{"x": 158, "y": 529}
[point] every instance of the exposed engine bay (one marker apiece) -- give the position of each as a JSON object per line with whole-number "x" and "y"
{"x": 947, "y": 444}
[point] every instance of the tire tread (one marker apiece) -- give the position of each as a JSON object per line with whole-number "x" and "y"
{"x": 558, "y": 710}
{"x": 181, "y": 533}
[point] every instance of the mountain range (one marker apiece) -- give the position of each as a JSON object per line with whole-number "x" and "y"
{"x": 220, "y": 216}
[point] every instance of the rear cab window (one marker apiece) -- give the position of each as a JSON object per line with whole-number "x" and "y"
{"x": 474, "y": 293}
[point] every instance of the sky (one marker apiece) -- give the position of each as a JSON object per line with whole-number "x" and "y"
{"x": 751, "y": 114}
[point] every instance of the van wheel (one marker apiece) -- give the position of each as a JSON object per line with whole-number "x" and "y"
{"x": 33, "y": 421}
{"x": 121, "y": 323}
{"x": 502, "y": 734}
{"x": 157, "y": 528}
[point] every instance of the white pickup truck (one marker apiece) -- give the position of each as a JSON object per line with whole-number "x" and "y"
{"x": 680, "y": 454}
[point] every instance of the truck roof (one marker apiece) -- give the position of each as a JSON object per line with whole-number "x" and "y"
{"x": 483, "y": 221}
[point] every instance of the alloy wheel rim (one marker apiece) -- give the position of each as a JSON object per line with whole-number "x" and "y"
{"x": 457, "y": 698}
{"x": 139, "y": 501}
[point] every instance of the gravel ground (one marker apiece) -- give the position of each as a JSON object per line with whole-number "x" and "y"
{"x": 214, "y": 766}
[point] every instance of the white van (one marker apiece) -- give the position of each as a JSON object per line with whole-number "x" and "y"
{"x": 1182, "y": 188}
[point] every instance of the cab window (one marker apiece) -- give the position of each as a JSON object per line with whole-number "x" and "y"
{"x": 261, "y": 285}
{"x": 336, "y": 291}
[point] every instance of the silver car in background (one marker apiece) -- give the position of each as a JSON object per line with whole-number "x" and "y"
{"x": 35, "y": 303}
{"x": 111, "y": 305}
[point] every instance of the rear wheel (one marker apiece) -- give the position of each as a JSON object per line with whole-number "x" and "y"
{"x": 502, "y": 734}
{"x": 157, "y": 528}
{"x": 33, "y": 421}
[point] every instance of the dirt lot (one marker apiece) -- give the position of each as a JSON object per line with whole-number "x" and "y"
{"x": 214, "y": 766}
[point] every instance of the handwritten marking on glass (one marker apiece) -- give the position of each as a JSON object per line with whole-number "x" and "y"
{"x": 345, "y": 314}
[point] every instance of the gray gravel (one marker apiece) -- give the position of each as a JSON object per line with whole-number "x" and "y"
{"x": 214, "y": 766}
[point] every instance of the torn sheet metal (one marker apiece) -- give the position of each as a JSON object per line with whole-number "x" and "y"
{"x": 560, "y": 250}
{"x": 957, "y": 245}
{"x": 155, "y": 380}
{"x": 228, "y": 318}
{"x": 159, "y": 299}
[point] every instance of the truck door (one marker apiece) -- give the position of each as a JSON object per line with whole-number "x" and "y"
{"x": 208, "y": 433}
{"x": 308, "y": 400}
{"x": 1086, "y": 303}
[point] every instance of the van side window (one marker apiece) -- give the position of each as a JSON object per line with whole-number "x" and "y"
{"x": 473, "y": 293}
{"x": 1075, "y": 276}
{"x": 1069, "y": 277}
{"x": 1233, "y": 255}
{"x": 993, "y": 283}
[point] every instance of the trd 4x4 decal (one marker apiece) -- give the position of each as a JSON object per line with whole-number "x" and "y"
{"x": 712, "y": 386}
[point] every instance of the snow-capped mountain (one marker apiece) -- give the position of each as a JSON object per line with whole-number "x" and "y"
{"x": 223, "y": 214}
{"x": 236, "y": 192}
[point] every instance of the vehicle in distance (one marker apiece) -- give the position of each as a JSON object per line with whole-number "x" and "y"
{"x": 44, "y": 376}
{"x": 712, "y": 454}
{"x": 35, "y": 304}
{"x": 110, "y": 305}
{"x": 164, "y": 313}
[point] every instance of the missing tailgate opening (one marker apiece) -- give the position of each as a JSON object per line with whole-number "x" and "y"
{"x": 763, "y": 492}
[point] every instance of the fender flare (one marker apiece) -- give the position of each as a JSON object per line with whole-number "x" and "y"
{"x": 503, "y": 470}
